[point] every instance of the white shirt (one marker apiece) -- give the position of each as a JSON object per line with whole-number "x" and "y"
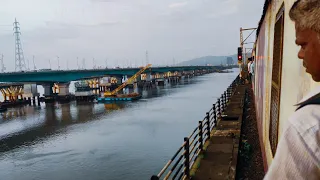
{"x": 249, "y": 63}
{"x": 252, "y": 68}
{"x": 298, "y": 151}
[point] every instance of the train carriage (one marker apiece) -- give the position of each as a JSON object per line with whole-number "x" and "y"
{"x": 280, "y": 80}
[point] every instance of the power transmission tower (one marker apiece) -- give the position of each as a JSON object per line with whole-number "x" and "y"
{"x": 2, "y": 64}
{"x": 34, "y": 64}
{"x": 147, "y": 57}
{"x": 67, "y": 64}
{"x": 83, "y": 63}
{"x": 28, "y": 64}
{"x": 78, "y": 63}
{"x": 94, "y": 64}
{"x": 58, "y": 62}
{"x": 20, "y": 63}
{"x": 50, "y": 64}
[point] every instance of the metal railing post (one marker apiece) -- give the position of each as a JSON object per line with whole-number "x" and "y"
{"x": 222, "y": 103}
{"x": 186, "y": 157}
{"x": 200, "y": 136}
{"x": 208, "y": 125}
{"x": 214, "y": 114}
{"x": 154, "y": 177}
{"x": 228, "y": 94}
{"x": 219, "y": 108}
{"x": 222, "y": 109}
{"x": 225, "y": 99}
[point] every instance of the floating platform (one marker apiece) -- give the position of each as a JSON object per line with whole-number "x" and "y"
{"x": 129, "y": 97}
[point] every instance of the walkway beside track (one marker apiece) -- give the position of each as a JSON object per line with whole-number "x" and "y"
{"x": 220, "y": 157}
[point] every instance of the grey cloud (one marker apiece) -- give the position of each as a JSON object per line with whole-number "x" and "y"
{"x": 125, "y": 29}
{"x": 74, "y": 25}
{"x": 101, "y": 0}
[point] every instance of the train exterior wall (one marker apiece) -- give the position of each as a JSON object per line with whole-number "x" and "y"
{"x": 295, "y": 83}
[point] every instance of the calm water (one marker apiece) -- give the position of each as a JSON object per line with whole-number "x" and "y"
{"x": 98, "y": 141}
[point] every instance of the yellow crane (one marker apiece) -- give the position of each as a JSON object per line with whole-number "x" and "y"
{"x": 114, "y": 92}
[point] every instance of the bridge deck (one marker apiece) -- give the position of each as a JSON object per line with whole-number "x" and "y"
{"x": 52, "y": 76}
{"x": 6, "y": 85}
{"x": 221, "y": 155}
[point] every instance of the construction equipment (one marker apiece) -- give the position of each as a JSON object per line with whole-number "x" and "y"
{"x": 114, "y": 92}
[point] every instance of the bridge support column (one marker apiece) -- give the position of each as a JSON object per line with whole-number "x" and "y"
{"x": 34, "y": 100}
{"x": 48, "y": 92}
{"x": 29, "y": 101}
{"x": 124, "y": 78}
{"x": 160, "y": 79}
{"x": 119, "y": 80}
{"x": 149, "y": 77}
{"x": 105, "y": 82}
{"x": 64, "y": 94}
{"x": 135, "y": 87}
{"x": 64, "y": 89}
{"x": 30, "y": 91}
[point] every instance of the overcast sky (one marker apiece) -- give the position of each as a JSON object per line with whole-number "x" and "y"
{"x": 122, "y": 30}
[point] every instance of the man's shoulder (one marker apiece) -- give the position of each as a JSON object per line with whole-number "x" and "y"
{"x": 306, "y": 119}
{"x": 306, "y": 122}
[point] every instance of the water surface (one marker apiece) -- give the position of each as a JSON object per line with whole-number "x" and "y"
{"x": 105, "y": 141}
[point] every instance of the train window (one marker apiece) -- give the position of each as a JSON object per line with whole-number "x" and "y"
{"x": 276, "y": 80}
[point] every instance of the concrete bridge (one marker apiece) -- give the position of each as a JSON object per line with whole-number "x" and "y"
{"x": 23, "y": 85}
{"x": 53, "y": 76}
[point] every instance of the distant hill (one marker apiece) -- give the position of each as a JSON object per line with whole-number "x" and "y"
{"x": 212, "y": 60}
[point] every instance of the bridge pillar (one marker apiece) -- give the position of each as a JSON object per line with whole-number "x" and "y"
{"x": 48, "y": 89}
{"x": 94, "y": 85}
{"x": 48, "y": 92}
{"x": 124, "y": 78}
{"x": 31, "y": 91}
{"x": 129, "y": 86}
{"x": 64, "y": 89}
{"x": 64, "y": 94}
{"x": 160, "y": 78}
{"x": 149, "y": 77}
{"x": 135, "y": 87}
{"x": 105, "y": 82}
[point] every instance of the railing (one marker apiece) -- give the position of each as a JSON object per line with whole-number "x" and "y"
{"x": 178, "y": 167}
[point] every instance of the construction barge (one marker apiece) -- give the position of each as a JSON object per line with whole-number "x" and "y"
{"x": 114, "y": 96}
{"x": 120, "y": 97}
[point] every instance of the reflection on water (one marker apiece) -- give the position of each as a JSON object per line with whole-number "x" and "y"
{"x": 128, "y": 140}
{"x": 50, "y": 118}
{"x": 113, "y": 106}
{"x": 14, "y": 113}
{"x": 42, "y": 122}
